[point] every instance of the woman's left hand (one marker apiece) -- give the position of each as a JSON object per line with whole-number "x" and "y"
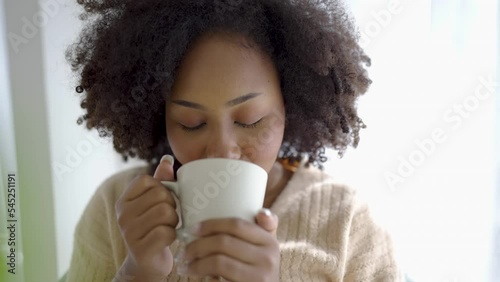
{"x": 235, "y": 249}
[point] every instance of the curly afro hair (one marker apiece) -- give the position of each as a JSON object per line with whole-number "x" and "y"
{"x": 127, "y": 54}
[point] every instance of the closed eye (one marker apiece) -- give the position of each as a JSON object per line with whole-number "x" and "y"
{"x": 253, "y": 125}
{"x": 244, "y": 125}
{"x": 187, "y": 128}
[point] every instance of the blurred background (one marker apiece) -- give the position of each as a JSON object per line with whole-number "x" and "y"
{"x": 426, "y": 163}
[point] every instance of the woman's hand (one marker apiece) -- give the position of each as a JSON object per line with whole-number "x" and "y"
{"x": 147, "y": 219}
{"x": 235, "y": 249}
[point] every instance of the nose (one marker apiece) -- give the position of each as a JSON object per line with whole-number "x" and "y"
{"x": 222, "y": 144}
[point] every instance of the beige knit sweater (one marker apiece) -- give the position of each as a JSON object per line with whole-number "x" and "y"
{"x": 325, "y": 234}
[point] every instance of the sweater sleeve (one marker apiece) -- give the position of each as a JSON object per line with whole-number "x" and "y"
{"x": 98, "y": 249}
{"x": 370, "y": 255}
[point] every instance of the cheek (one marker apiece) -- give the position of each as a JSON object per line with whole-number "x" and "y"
{"x": 184, "y": 149}
{"x": 262, "y": 148}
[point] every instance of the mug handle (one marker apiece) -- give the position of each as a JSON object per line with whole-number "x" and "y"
{"x": 172, "y": 186}
{"x": 181, "y": 233}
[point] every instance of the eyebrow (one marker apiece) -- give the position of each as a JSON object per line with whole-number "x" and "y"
{"x": 230, "y": 103}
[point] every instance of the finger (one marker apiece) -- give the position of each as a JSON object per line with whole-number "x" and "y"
{"x": 155, "y": 195}
{"x": 160, "y": 214}
{"x": 236, "y": 227}
{"x": 219, "y": 265}
{"x": 225, "y": 245}
{"x": 165, "y": 169}
{"x": 142, "y": 183}
{"x": 138, "y": 186}
{"x": 160, "y": 237}
{"x": 267, "y": 220}
{"x": 134, "y": 227}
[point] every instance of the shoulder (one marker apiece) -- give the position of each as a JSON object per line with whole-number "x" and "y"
{"x": 327, "y": 222}
{"x": 113, "y": 186}
{"x": 97, "y": 247}
{"x": 310, "y": 185}
{"x": 102, "y": 204}
{"x": 348, "y": 221}
{"x": 315, "y": 202}
{"x": 97, "y": 231}
{"x": 339, "y": 199}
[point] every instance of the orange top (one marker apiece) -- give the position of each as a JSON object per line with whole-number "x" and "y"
{"x": 291, "y": 166}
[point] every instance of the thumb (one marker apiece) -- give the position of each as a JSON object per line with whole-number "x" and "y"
{"x": 165, "y": 169}
{"x": 267, "y": 220}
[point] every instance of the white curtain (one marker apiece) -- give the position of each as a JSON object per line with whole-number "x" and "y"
{"x": 426, "y": 160}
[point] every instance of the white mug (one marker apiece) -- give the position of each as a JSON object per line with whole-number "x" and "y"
{"x": 218, "y": 188}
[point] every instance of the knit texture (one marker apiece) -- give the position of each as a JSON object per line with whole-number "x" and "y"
{"x": 325, "y": 234}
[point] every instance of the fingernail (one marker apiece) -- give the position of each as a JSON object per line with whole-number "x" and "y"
{"x": 167, "y": 158}
{"x": 266, "y": 212}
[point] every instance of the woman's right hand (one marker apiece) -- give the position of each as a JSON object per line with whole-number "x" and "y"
{"x": 147, "y": 219}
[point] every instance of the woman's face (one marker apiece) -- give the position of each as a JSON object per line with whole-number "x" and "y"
{"x": 226, "y": 102}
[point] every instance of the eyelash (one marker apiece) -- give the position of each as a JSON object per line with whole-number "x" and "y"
{"x": 253, "y": 125}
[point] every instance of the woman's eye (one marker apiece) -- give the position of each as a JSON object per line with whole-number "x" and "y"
{"x": 244, "y": 125}
{"x": 253, "y": 125}
{"x": 188, "y": 128}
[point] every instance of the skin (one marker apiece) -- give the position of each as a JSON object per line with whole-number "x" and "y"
{"x": 226, "y": 102}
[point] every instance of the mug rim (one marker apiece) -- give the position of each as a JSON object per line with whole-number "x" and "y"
{"x": 219, "y": 159}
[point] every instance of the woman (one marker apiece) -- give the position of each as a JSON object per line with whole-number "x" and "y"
{"x": 271, "y": 82}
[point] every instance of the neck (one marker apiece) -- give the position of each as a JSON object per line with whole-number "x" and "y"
{"x": 276, "y": 182}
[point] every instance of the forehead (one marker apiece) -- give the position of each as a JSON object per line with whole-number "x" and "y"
{"x": 223, "y": 65}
